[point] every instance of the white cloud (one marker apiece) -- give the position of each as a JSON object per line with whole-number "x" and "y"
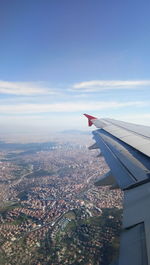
{"x": 101, "y": 85}
{"x": 67, "y": 107}
{"x": 39, "y": 88}
{"x": 24, "y": 88}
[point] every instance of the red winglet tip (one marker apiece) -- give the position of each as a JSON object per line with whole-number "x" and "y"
{"x": 89, "y": 119}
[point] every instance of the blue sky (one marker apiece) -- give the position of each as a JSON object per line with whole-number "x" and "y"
{"x": 62, "y": 58}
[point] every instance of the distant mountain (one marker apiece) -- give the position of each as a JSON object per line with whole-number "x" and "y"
{"x": 27, "y": 147}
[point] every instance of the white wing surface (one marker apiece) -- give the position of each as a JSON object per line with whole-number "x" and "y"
{"x": 126, "y": 148}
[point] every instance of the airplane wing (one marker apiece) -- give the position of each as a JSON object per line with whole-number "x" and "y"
{"x": 126, "y": 148}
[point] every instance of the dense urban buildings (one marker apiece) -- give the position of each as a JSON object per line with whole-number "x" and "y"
{"x": 50, "y": 210}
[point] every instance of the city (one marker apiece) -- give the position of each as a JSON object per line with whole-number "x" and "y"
{"x": 51, "y": 212}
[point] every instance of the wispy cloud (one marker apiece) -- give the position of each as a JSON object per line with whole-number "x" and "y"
{"x": 41, "y": 88}
{"x": 102, "y": 85}
{"x": 67, "y": 107}
{"x": 24, "y": 88}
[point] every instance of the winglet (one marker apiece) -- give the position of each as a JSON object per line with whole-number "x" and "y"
{"x": 90, "y": 118}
